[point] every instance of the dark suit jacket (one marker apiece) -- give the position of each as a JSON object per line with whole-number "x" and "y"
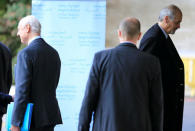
{"x": 123, "y": 92}
{"x": 37, "y": 76}
{"x": 172, "y": 68}
{"x": 5, "y": 77}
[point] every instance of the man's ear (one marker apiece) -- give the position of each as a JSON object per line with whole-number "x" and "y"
{"x": 28, "y": 28}
{"x": 166, "y": 19}
{"x": 119, "y": 33}
{"x": 139, "y": 36}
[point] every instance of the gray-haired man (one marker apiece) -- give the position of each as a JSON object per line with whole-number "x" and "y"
{"x": 37, "y": 76}
{"x": 157, "y": 42}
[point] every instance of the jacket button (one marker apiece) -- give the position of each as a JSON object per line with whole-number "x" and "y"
{"x": 180, "y": 68}
{"x": 181, "y": 100}
{"x": 181, "y": 84}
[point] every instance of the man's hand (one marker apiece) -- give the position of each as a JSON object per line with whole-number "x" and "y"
{"x": 13, "y": 98}
{"x": 15, "y": 128}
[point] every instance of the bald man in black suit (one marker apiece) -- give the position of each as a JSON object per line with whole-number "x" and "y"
{"x": 124, "y": 87}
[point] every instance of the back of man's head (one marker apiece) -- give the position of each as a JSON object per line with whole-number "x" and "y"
{"x": 33, "y": 22}
{"x": 169, "y": 11}
{"x": 130, "y": 28}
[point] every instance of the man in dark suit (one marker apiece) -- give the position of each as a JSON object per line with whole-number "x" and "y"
{"x": 5, "y": 79}
{"x": 37, "y": 76}
{"x": 157, "y": 42}
{"x": 123, "y": 91}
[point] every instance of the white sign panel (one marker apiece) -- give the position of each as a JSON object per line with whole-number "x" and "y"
{"x": 76, "y": 29}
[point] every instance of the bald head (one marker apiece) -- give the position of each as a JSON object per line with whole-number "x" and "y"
{"x": 129, "y": 28}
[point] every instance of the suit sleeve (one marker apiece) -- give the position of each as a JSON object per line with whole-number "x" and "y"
{"x": 9, "y": 76}
{"x": 5, "y": 99}
{"x": 156, "y": 98}
{"x": 90, "y": 98}
{"x": 23, "y": 82}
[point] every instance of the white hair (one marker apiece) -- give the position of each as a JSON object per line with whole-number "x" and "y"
{"x": 33, "y": 22}
{"x": 165, "y": 12}
{"x": 169, "y": 11}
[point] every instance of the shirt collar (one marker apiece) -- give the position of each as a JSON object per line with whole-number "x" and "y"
{"x": 166, "y": 36}
{"x": 34, "y": 38}
{"x": 127, "y": 42}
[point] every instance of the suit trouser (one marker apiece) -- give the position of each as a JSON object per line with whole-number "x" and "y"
{"x": 45, "y": 128}
{"x": 1, "y": 120}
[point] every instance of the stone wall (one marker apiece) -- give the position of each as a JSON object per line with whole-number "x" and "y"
{"x": 147, "y": 11}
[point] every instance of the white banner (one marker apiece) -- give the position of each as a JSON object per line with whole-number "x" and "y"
{"x": 76, "y": 29}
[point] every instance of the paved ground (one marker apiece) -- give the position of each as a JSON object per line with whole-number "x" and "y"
{"x": 189, "y": 114}
{"x": 188, "y": 120}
